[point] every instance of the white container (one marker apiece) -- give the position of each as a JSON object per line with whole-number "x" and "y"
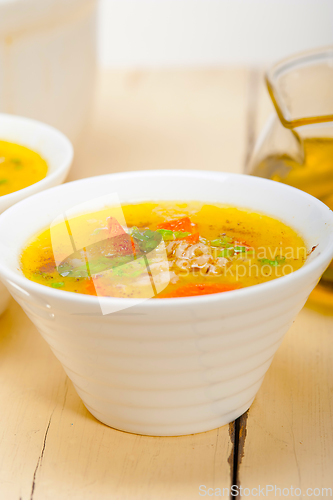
{"x": 170, "y": 366}
{"x": 52, "y": 145}
{"x": 48, "y": 60}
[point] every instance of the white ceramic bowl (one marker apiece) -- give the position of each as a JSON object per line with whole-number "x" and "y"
{"x": 55, "y": 148}
{"x": 169, "y": 366}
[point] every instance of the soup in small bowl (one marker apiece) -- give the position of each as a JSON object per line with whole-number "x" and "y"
{"x": 173, "y": 360}
{"x": 33, "y": 157}
{"x": 20, "y": 167}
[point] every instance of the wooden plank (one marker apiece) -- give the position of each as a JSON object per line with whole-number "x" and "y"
{"x": 31, "y": 387}
{"x": 51, "y": 448}
{"x": 94, "y": 461}
{"x": 289, "y": 431}
{"x": 287, "y": 438}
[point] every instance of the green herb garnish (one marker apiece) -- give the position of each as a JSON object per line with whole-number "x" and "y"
{"x": 166, "y": 234}
{"x": 169, "y": 235}
{"x": 279, "y": 259}
{"x": 147, "y": 240}
{"x": 98, "y": 265}
{"x": 222, "y": 242}
{"x": 58, "y": 284}
{"x": 226, "y": 252}
{"x": 180, "y": 234}
{"x": 132, "y": 270}
{"x": 240, "y": 249}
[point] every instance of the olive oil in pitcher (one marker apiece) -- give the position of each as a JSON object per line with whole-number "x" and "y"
{"x": 296, "y": 147}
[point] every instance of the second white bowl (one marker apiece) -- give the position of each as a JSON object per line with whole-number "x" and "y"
{"x": 52, "y": 145}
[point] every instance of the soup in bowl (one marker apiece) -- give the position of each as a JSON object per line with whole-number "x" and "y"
{"x": 33, "y": 157}
{"x": 191, "y": 354}
{"x": 163, "y": 249}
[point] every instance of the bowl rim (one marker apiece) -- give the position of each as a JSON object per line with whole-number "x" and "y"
{"x": 76, "y": 298}
{"x": 42, "y": 185}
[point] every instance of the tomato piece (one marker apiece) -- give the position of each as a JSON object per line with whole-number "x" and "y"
{"x": 121, "y": 244}
{"x": 115, "y": 229}
{"x": 196, "y": 289}
{"x": 184, "y": 225}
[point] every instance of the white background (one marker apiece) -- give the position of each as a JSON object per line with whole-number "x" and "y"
{"x": 159, "y": 33}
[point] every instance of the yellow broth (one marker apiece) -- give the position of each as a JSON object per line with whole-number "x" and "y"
{"x": 19, "y": 167}
{"x": 246, "y": 249}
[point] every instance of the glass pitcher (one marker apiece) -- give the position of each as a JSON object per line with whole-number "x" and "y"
{"x": 296, "y": 146}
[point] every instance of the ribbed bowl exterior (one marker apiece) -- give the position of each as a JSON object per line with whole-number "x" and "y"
{"x": 160, "y": 374}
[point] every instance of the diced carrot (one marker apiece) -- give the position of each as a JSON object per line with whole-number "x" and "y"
{"x": 193, "y": 238}
{"x": 196, "y": 289}
{"x": 90, "y": 287}
{"x": 115, "y": 229}
{"x": 184, "y": 225}
{"x": 133, "y": 247}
